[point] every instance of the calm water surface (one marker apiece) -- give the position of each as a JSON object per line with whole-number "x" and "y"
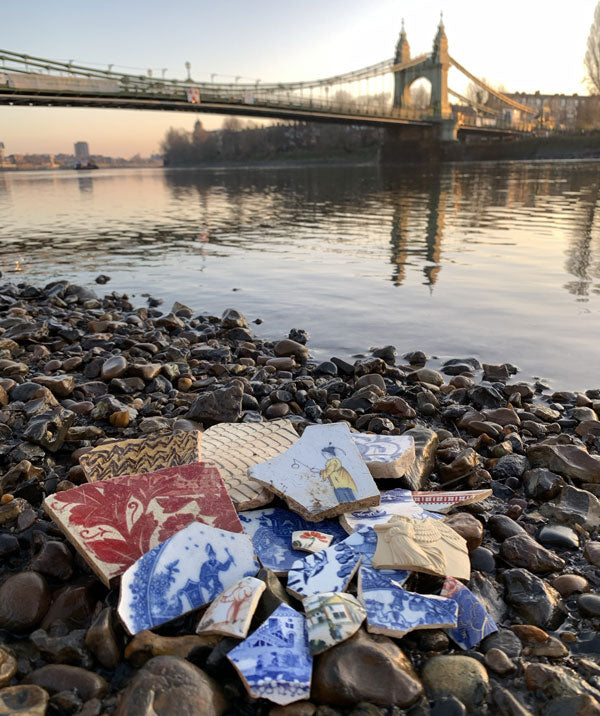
{"x": 500, "y": 261}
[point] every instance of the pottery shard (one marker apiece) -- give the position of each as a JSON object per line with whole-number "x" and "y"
{"x": 169, "y": 685}
{"x": 365, "y": 668}
{"x": 568, "y": 460}
{"x": 223, "y": 405}
{"x": 524, "y": 551}
{"x": 426, "y": 442}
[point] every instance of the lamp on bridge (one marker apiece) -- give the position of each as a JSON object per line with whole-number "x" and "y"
{"x": 188, "y": 67}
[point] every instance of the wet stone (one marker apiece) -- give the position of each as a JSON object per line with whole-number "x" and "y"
{"x": 113, "y": 367}
{"x": 67, "y": 649}
{"x": 459, "y": 676}
{"x": 589, "y": 604}
{"x": 524, "y": 551}
{"x": 53, "y": 560}
{"x": 482, "y": 560}
{"x": 55, "y": 678}
{"x": 25, "y": 700}
{"x": 101, "y": 640}
{"x": 504, "y": 640}
{"x": 24, "y": 599}
{"x": 559, "y": 536}
{"x": 567, "y": 584}
{"x": 468, "y": 527}
{"x": 533, "y": 599}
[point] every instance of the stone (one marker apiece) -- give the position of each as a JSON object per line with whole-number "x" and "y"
{"x": 322, "y": 475}
{"x": 394, "y": 405}
{"x": 557, "y": 681}
{"x": 60, "y": 385}
{"x": 272, "y": 597}
{"x": 559, "y": 536}
{"x": 502, "y": 527}
{"x": 23, "y": 701}
{"x": 459, "y": 676}
{"x": 365, "y": 668}
{"x": 386, "y": 456}
{"x": 55, "y": 678}
{"x": 577, "y": 506}
{"x": 169, "y": 685}
{"x": 534, "y": 600}
{"x": 223, "y": 405}
{"x": 53, "y": 560}
{"x": 567, "y": 584}
{"x": 271, "y": 531}
{"x": 329, "y": 570}
{"x": 426, "y": 442}
{"x": 50, "y": 429}
{"x": 473, "y": 621}
{"x": 542, "y": 484}
{"x": 331, "y": 617}
{"x": 466, "y": 461}
{"x": 499, "y": 662}
{"x": 101, "y": 640}
{"x": 141, "y": 455}
{"x": 503, "y": 639}
{"x": 184, "y": 572}
{"x": 233, "y": 319}
{"x": 235, "y": 447}
{"x": 231, "y": 612}
{"x": 288, "y": 347}
{"x": 490, "y": 593}
{"x": 591, "y": 552}
{"x": 524, "y": 551}
{"x": 274, "y": 662}
{"x": 113, "y": 367}
{"x": 8, "y": 667}
{"x": 567, "y": 460}
{"x": 426, "y": 545}
{"x": 119, "y": 419}
{"x": 66, "y": 649}
{"x": 581, "y": 705}
{"x": 442, "y": 501}
{"x": 482, "y": 560}
{"x": 507, "y": 704}
{"x": 589, "y": 604}
{"x": 158, "y": 504}
{"x": 24, "y": 600}
{"x": 310, "y": 541}
{"x": 510, "y": 466}
{"x": 468, "y": 527}
{"x": 146, "y": 644}
{"x": 10, "y": 511}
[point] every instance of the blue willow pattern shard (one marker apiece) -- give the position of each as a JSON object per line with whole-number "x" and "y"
{"x": 474, "y": 623}
{"x": 271, "y": 532}
{"x": 186, "y": 571}
{"x": 329, "y": 570}
{"x": 275, "y": 662}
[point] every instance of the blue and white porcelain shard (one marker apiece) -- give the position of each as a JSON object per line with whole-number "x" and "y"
{"x": 320, "y": 476}
{"x": 271, "y": 532}
{"x": 329, "y": 570}
{"x": 394, "y": 611}
{"x": 386, "y": 456}
{"x": 364, "y": 542}
{"x": 186, "y": 571}
{"x": 331, "y": 618}
{"x": 474, "y": 623}
{"x": 393, "y": 502}
{"x": 274, "y": 662}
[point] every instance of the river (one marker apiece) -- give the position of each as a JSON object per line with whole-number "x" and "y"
{"x": 495, "y": 260}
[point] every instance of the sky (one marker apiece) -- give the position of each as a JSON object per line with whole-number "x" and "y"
{"x": 526, "y": 45}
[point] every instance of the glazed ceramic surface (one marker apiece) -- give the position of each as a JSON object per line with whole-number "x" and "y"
{"x": 231, "y": 612}
{"x": 441, "y": 501}
{"x": 331, "y": 618}
{"x": 310, "y": 541}
{"x": 327, "y": 571}
{"x": 474, "y": 623}
{"x": 387, "y": 456}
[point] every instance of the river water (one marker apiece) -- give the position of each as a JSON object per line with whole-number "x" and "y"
{"x": 496, "y": 260}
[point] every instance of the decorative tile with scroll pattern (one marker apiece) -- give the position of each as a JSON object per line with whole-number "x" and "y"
{"x": 322, "y": 475}
{"x": 393, "y": 502}
{"x": 231, "y": 612}
{"x": 330, "y": 570}
{"x": 141, "y": 455}
{"x": 113, "y": 522}
{"x": 474, "y": 623}
{"x": 186, "y": 571}
{"x": 444, "y": 501}
{"x": 387, "y": 456}
{"x": 274, "y": 662}
{"x": 234, "y": 447}
{"x": 271, "y": 531}
{"x": 331, "y": 618}
{"x": 310, "y": 541}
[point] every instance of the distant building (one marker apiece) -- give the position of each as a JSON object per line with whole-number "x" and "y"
{"x": 561, "y": 111}
{"x": 1, "y": 153}
{"x": 82, "y": 150}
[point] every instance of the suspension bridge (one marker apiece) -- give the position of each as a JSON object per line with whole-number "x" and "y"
{"x": 378, "y": 95}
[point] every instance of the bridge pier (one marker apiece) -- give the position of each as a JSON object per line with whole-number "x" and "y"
{"x": 447, "y": 130}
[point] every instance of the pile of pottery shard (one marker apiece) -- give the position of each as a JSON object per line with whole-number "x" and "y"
{"x": 180, "y": 522}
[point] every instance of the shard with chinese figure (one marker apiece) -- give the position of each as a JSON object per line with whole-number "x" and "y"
{"x": 231, "y": 612}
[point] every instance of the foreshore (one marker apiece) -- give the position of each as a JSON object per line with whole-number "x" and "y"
{"x": 78, "y": 369}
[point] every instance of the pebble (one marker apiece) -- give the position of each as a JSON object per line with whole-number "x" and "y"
{"x": 468, "y": 527}
{"x": 24, "y": 600}
{"x": 591, "y": 552}
{"x": 24, "y": 700}
{"x": 559, "y": 536}
{"x": 567, "y": 584}
{"x": 499, "y": 662}
{"x": 589, "y": 604}
{"x": 459, "y": 676}
{"x": 8, "y": 667}
{"x": 55, "y": 678}
{"x": 113, "y": 367}
{"x": 534, "y": 600}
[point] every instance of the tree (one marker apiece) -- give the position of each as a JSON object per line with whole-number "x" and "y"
{"x": 477, "y": 94}
{"x": 592, "y": 55}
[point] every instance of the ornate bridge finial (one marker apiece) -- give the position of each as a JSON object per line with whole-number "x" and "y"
{"x": 441, "y": 18}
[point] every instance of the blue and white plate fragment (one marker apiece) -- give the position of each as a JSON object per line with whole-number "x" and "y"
{"x": 474, "y": 623}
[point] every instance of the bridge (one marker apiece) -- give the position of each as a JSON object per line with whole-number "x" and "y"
{"x": 378, "y": 95}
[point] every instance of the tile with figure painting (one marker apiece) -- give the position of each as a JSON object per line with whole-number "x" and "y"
{"x": 234, "y": 447}
{"x": 330, "y": 570}
{"x": 274, "y": 662}
{"x": 271, "y": 531}
{"x": 393, "y": 502}
{"x": 186, "y": 571}
{"x": 331, "y": 618}
{"x": 310, "y": 541}
{"x": 322, "y": 475}
{"x": 113, "y": 522}
{"x": 231, "y": 612}
{"x": 444, "y": 501}
{"x": 474, "y": 623}
{"x": 387, "y": 456}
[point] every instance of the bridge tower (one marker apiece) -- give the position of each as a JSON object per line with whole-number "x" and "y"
{"x": 401, "y": 89}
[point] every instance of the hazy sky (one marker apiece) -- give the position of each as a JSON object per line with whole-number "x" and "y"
{"x": 524, "y": 44}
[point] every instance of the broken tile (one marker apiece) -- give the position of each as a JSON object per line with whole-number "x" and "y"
{"x": 387, "y": 456}
{"x": 427, "y": 545}
{"x": 271, "y": 531}
{"x": 234, "y": 447}
{"x": 188, "y": 570}
{"x": 322, "y": 475}
{"x": 274, "y": 662}
{"x": 474, "y": 623}
{"x": 393, "y": 502}
{"x": 364, "y": 542}
{"x": 444, "y": 501}
{"x": 327, "y": 571}
{"x": 394, "y": 611}
{"x": 310, "y": 540}
{"x": 113, "y": 522}
{"x": 231, "y": 612}
{"x": 331, "y": 618}
{"x": 141, "y": 455}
